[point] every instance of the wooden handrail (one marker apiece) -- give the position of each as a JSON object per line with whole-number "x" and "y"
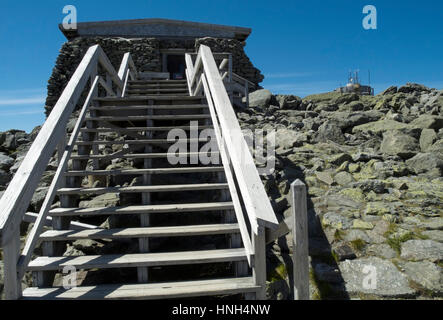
{"x": 16, "y": 199}
{"x": 255, "y": 199}
{"x": 17, "y": 196}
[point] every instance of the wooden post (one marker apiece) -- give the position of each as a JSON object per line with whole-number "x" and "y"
{"x": 259, "y": 269}
{"x": 300, "y": 255}
{"x": 11, "y": 253}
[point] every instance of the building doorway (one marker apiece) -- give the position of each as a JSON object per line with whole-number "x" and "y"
{"x": 176, "y": 65}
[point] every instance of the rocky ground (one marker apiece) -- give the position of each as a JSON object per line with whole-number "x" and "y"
{"x": 373, "y": 168}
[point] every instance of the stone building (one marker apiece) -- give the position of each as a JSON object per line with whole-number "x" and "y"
{"x": 156, "y": 45}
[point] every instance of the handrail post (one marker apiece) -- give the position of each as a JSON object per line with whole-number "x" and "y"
{"x": 230, "y": 68}
{"x": 259, "y": 269}
{"x": 300, "y": 251}
{"x": 11, "y": 254}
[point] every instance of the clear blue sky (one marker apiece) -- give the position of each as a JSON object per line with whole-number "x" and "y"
{"x": 302, "y": 47}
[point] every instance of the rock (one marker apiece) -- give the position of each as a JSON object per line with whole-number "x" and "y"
{"x": 390, "y": 90}
{"x": 376, "y": 186}
{"x": 325, "y": 177}
{"x": 6, "y": 162}
{"x": 289, "y": 101}
{"x": 286, "y": 139}
{"x": 380, "y": 126}
{"x": 38, "y": 198}
{"x": 339, "y": 159}
{"x": 104, "y": 200}
{"x": 357, "y": 234}
{"x": 5, "y": 177}
{"x": 377, "y": 209}
{"x": 330, "y": 131}
{"x": 9, "y": 141}
{"x": 424, "y": 162}
{"x": 396, "y": 143}
{"x": 426, "y": 274}
{"x": 360, "y": 224}
{"x": 387, "y": 281}
{"x": 365, "y": 157}
{"x": 432, "y": 224}
{"x": 260, "y": 98}
{"x": 336, "y": 221}
{"x": 382, "y": 250}
{"x": 353, "y": 106}
{"x": 17, "y": 164}
{"x": 435, "y": 235}
{"x": 427, "y": 138}
{"x": 344, "y": 252}
{"x": 344, "y": 178}
{"x": 427, "y": 121}
{"x": 417, "y": 250}
{"x": 277, "y": 290}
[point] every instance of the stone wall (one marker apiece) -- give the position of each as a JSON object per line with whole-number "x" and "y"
{"x": 241, "y": 64}
{"x": 146, "y": 54}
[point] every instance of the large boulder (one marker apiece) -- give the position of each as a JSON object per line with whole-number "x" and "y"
{"x": 417, "y": 250}
{"x": 397, "y": 143}
{"x": 5, "y": 177}
{"x": 427, "y": 138}
{"x": 329, "y": 130}
{"x": 427, "y": 121}
{"x": 289, "y": 101}
{"x": 260, "y": 98}
{"x": 387, "y": 280}
{"x": 380, "y": 126}
{"x": 286, "y": 139}
{"x": 426, "y": 274}
{"x": 6, "y": 162}
{"x": 425, "y": 162}
{"x": 413, "y": 87}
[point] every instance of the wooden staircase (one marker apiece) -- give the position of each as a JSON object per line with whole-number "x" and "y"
{"x": 191, "y": 226}
{"x": 141, "y": 121}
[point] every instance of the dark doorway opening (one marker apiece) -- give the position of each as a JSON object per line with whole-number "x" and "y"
{"x": 176, "y": 66}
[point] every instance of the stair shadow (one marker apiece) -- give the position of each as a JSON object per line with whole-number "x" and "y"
{"x": 320, "y": 251}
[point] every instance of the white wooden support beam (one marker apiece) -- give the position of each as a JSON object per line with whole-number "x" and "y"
{"x": 11, "y": 253}
{"x": 300, "y": 255}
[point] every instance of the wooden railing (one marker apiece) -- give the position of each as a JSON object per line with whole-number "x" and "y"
{"x": 245, "y": 186}
{"x": 236, "y": 86}
{"x": 52, "y": 136}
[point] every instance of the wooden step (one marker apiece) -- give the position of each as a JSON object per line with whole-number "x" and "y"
{"x": 141, "y": 209}
{"x": 142, "y": 142}
{"x": 158, "y": 85}
{"x": 80, "y": 173}
{"x": 157, "y": 81}
{"x": 155, "y": 90}
{"x": 143, "y": 155}
{"x": 145, "y": 291}
{"x": 151, "y": 117}
{"x": 141, "y": 189}
{"x": 146, "y": 98}
{"x": 143, "y": 129}
{"x": 137, "y": 260}
{"x": 153, "y": 107}
{"x": 151, "y": 232}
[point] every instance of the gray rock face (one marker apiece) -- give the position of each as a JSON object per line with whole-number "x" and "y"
{"x": 289, "y": 102}
{"x": 260, "y": 98}
{"x": 5, "y": 177}
{"x": 5, "y": 161}
{"x": 426, "y": 274}
{"x": 380, "y": 126}
{"x": 387, "y": 280}
{"x": 330, "y": 131}
{"x": 425, "y": 162}
{"x": 427, "y": 138}
{"x": 417, "y": 250}
{"x": 396, "y": 143}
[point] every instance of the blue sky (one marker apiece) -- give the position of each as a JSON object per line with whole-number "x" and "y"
{"x": 302, "y": 47}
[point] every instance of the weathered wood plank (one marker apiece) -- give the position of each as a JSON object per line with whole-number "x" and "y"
{"x": 184, "y": 289}
{"x": 16, "y": 198}
{"x": 300, "y": 241}
{"x": 253, "y": 192}
{"x": 138, "y": 259}
{"x": 141, "y": 209}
